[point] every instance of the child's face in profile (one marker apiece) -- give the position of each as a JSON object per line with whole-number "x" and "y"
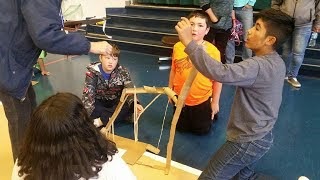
{"x": 256, "y": 37}
{"x": 108, "y": 62}
{"x": 199, "y": 28}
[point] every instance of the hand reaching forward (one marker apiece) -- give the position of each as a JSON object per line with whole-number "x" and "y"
{"x": 316, "y": 28}
{"x": 215, "y": 109}
{"x": 184, "y": 30}
{"x": 101, "y": 47}
{"x": 139, "y": 109}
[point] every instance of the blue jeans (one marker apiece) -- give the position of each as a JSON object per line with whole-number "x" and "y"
{"x": 245, "y": 16}
{"x": 237, "y": 160}
{"x": 18, "y": 114}
{"x": 293, "y": 50}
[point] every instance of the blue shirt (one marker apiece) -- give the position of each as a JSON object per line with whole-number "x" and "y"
{"x": 241, "y": 3}
{"x": 104, "y": 74}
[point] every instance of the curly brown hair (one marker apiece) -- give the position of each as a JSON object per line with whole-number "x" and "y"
{"x": 62, "y": 143}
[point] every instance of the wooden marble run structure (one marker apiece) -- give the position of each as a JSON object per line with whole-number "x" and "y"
{"x": 134, "y": 148}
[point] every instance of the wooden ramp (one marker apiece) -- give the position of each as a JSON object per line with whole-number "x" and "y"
{"x": 147, "y": 172}
{"x": 134, "y": 149}
{"x": 146, "y": 165}
{"x": 151, "y": 166}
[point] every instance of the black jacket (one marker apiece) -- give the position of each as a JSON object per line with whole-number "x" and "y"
{"x": 222, "y": 9}
{"x": 26, "y": 26}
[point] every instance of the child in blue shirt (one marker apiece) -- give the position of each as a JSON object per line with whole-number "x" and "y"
{"x": 104, "y": 83}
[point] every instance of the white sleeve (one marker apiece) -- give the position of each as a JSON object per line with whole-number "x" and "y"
{"x": 15, "y": 172}
{"x": 116, "y": 169}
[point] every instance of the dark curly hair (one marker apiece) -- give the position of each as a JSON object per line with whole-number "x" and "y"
{"x": 62, "y": 143}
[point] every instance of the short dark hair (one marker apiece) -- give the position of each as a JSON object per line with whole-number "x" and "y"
{"x": 201, "y": 14}
{"x": 277, "y": 24}
{"x": 61, "y": 142}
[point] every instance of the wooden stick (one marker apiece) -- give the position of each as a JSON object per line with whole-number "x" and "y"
{"x": 182, "y": 97}
{"x": 147, "y": 106}
{"x": 141, "y": 90}
{"x": 145, "y": 89}
{"x": 135, "y": 120}
{"x": 153, "y": 90}
{"x": 171, "y": 94}
{"x": 123, "y": 99}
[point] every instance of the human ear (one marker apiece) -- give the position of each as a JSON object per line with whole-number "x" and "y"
{"x": 271, "y": 40}
{"x": 207, "y": 30}
{"x": 100, "y": 58}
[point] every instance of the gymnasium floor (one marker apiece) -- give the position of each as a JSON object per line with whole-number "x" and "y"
{"x": 295, "y": 151}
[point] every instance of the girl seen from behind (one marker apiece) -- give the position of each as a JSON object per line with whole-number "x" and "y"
{"x": 62, "y": 143}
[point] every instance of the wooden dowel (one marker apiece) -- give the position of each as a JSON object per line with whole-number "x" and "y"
{"x": 171, "y": 94}
{"x": 182, "y": 97}
{"x": 117, "y": 111}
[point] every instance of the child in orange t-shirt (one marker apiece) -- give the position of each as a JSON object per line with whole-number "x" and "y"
{"x": 202, "y": 102}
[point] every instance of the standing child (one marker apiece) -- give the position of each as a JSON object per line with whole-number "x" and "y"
{"x": 219, "y": 12}
{"x": 306, "y": 16}
{"x": 202, "y": 102}
{"x": 62, "y": 143}
{"x": 258, "y": 96}
{"x": 104, "y": 83}
{"x": 40, "y": 66}
{"x": 242, "y": 11}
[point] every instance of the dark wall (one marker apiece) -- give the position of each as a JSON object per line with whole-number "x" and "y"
{"x": 260, "y": 4}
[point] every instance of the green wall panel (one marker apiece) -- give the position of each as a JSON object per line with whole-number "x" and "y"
{"x": 262, "y": 4}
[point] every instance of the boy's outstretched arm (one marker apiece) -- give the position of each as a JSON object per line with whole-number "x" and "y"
{"x": 239, "y": 74}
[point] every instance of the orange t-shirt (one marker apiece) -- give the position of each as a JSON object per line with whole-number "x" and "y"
{"x": 201, "y": 88}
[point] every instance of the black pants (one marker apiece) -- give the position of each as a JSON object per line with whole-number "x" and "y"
{"x": 196, "y": 119}
{"x": 18, "y": 114}
{"x": 219, "y": 38}
{"x": 105, "y": 109}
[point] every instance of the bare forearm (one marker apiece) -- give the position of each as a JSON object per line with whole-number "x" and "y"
{"x": 171, "y": 77}
{"x": 212, "y": 16}
{"x": 233, "y": 14}
{"x": 41, "y": 64}
{"x": 216, "y": 91}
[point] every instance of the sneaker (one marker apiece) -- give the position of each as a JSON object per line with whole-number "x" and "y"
{"x": 294, "y": 82}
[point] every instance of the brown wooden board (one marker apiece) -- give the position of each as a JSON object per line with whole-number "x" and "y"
{"x": 86, "y": 21}
{"x": 134, "y": 149}
{"x": 150, "y": 168}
